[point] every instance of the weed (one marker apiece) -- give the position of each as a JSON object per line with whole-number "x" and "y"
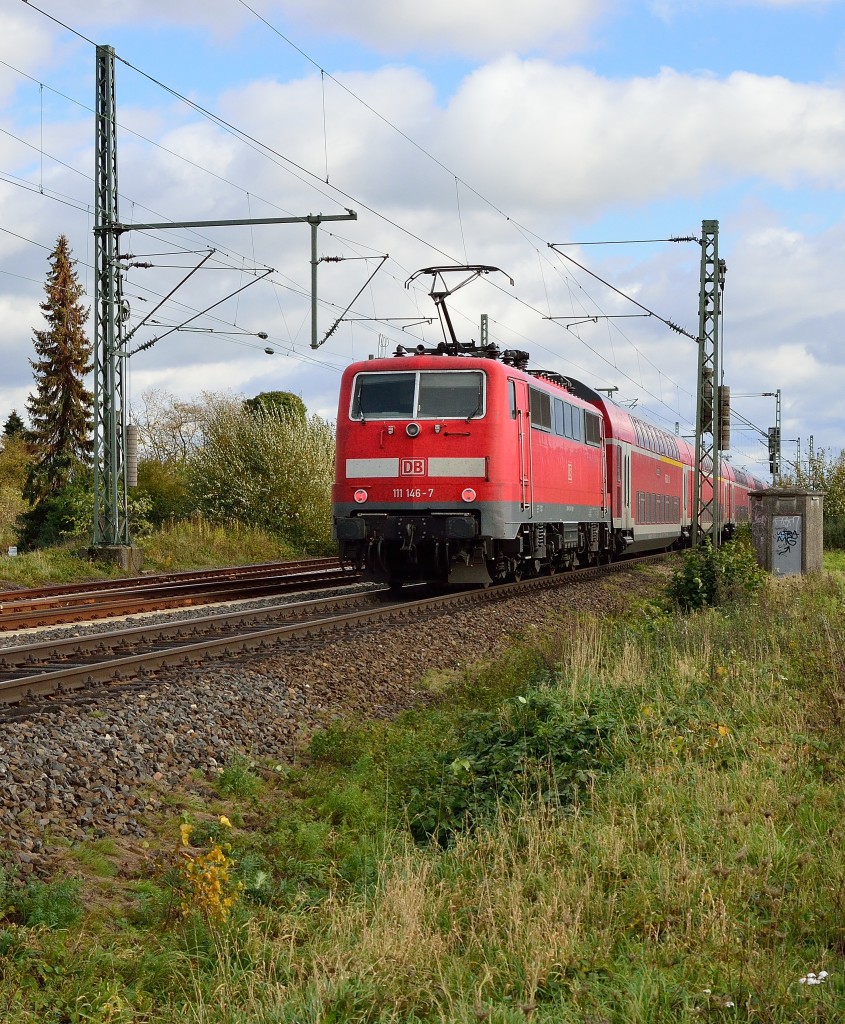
{"x": 237, "y": 778}
{"x": 536, "y": 747}
{"x": 50, "y": 904}
{"x": 207, "y": 882}
{"x": 97, "y": 856}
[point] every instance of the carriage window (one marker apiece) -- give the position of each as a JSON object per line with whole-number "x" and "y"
{"x": 593, "y": 431}
{"x": 541, "y": 409}
{"x": 451, "y": 394}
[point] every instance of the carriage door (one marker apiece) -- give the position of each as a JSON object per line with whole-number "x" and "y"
{"x": 518, "y": 397}
{"x": 616, "y": 467}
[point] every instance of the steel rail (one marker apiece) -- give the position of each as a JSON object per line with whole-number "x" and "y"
{"x": 57, "y": 649}
{"x": 60, "y": 590}
{"x": 263, "y": 637}
{"x": 93, "y": 605}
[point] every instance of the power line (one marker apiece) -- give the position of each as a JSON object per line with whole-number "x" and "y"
{"x": 312, "y": 178}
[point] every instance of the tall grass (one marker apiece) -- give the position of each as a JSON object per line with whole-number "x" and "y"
{"x": 198, "y": 542}
{"x": 692, "y": 870}
{"x": 194, "y": 543}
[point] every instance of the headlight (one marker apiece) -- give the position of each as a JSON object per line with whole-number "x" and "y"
{"x": 360, "y": 495}
{"x": 468, "y": 494}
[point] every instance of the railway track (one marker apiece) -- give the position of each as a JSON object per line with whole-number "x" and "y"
{"x": 43, "y": 606}
{"x": 57, "y": 668}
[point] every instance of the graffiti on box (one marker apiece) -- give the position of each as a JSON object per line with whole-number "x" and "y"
{"x": 787, "y": 544}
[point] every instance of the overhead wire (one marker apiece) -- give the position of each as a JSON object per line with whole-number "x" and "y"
{"x": 266, "y": 149}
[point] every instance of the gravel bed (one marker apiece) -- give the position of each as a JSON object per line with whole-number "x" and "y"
{"x": 104, "y": 767}
{"x": 22, "y": 637}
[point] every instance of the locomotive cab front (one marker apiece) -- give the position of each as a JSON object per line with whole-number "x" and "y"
{"x": 412, "y": 470}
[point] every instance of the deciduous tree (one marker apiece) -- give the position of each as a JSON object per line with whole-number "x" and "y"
{"x": 274, "y": 471}
{"x": 284, "y": 402}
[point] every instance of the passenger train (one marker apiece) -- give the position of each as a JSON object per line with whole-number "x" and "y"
{"x": 459, "y": 464}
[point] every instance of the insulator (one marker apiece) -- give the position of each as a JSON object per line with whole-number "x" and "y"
{"x": 131, "y": 455}
{"x": 724, "y": 418}
{"x": 707, "y": 400}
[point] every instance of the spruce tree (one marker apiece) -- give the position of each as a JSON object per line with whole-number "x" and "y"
{"x": 61, "y": 408}
{"x": 14, "y": 425}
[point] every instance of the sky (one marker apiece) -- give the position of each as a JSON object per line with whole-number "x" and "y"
{"x": 458, "y": 132}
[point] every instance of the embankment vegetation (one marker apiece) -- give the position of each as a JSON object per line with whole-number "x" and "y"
{"x": 221, "y": 481}
{"x": 640, "y": 819}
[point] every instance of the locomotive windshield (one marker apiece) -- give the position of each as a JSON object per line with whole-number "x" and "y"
{"x": 429, "y": 394}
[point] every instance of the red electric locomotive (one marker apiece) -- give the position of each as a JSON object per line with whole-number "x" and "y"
{"x": 465, "y": 468}
{"x": 459, "y": 464}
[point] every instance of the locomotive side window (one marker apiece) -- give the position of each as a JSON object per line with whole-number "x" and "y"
{"x": 578, "y": 424}
{"x": 431, "y": 395}
{"x": 512, "y": 397}
{"x": 559, "y": 411}
{"x": 541, "y": 409}
{"x": 593, "y": 428}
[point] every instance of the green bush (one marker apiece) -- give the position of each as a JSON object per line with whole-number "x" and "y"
{"x": 713, "y": 576}
{"x": 536, "y": 747}
{"x": 69, "y": 514}
{"x": 166, "y": 487}
{"x": 50, "y": 904}
{"x": 237, "y": 778}
{"x": 834, "y": 533}
{"x": 267, "y": 469}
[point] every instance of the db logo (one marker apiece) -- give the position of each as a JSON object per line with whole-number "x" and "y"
{"x": 412, "y": 467}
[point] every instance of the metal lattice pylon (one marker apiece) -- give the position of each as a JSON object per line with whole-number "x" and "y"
{"x": 111, "y": 522}
{"x": 705, "y": 518}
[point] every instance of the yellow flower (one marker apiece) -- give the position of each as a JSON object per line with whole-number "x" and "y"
{"x": 185, "y": 831}
{"x": 225, "y": 821}
{"x": 723, "y": 730}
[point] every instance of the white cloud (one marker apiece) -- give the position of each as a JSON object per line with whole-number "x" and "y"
{"x": 576, "y": 139}
{"x": 217, "y": 16}
{"x": 477, "y": 28}
{"x": 24, "y": 42}
{"x": 556, "y": 147}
